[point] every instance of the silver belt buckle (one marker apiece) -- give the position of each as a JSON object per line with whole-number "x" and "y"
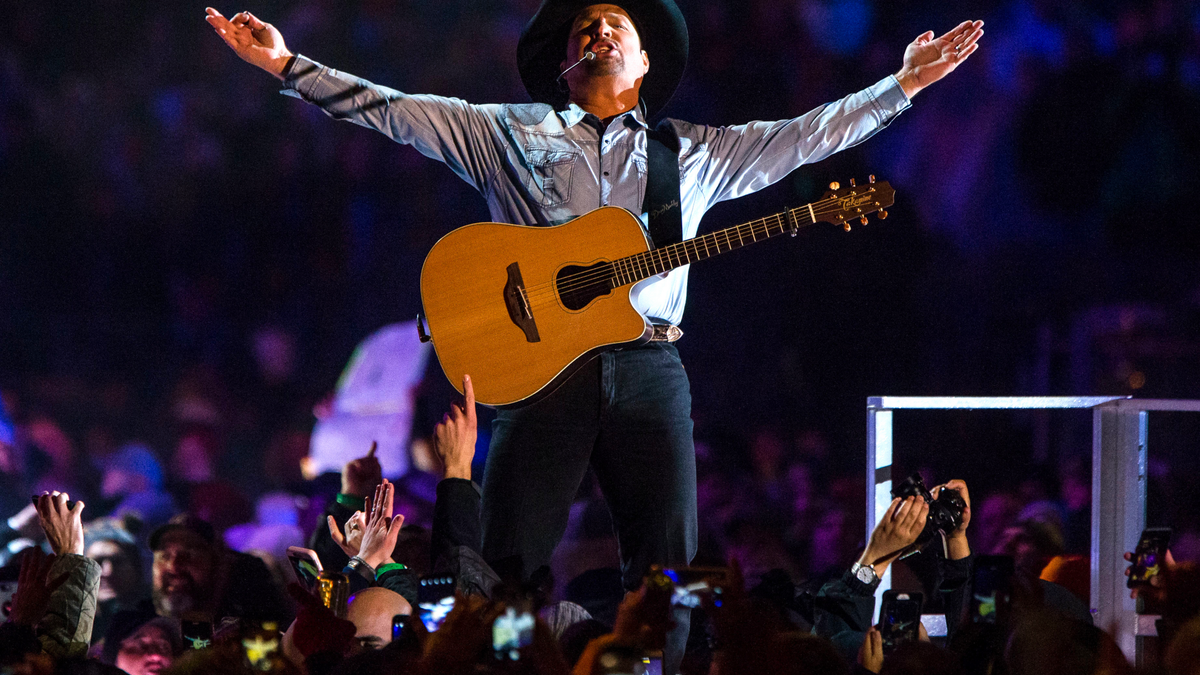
{"x": 666, "y": 333}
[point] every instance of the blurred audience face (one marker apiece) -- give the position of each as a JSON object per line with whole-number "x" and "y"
{"x": 183, "y": 574}
{"x": 371, "y": 611}
{"x": 117, "y": 482}
{"x": 148, "y": 650}
{"x": 118, "y": 574}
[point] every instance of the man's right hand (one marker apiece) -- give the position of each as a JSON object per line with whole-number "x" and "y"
{"x": 360, "y": 476}
{"x": 254, "y": 41}
{"x": 63, "y": 526}
{"x": 897, "y": 530}
{"x": 454, "y": 437}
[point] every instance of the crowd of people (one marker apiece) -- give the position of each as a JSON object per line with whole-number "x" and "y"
{"x": 111, "y": 596}
{"x": 157, "y": 389}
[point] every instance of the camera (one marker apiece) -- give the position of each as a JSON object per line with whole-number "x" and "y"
{"x": 945, "y": 512}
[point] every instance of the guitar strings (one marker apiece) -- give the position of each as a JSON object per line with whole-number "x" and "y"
{"x": 655, "y": 257}
{"x": 639, "y": 263}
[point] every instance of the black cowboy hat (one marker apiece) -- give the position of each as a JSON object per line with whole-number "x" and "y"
{"x": 543, "y": 46}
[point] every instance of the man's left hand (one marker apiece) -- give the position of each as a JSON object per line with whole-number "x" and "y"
{"x": 928, "y": 59}
{"x": 956, "y": 541}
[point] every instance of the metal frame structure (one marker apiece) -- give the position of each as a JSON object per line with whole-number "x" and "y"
{"x": 1118, "y": 485}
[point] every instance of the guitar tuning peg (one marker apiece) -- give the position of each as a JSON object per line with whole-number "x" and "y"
{"x": 834, "y": 185}
{"x": 863, "y": 220}
{"x": 871, "y": 178}
{"x": 882, "y": 214}
{"x": 847, "y": 226}
{"x": 852, "y": 183}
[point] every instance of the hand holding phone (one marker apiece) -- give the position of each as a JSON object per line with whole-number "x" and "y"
{"x": 512, "y": 631}
{"x": 899, "y": 619}
{"x": 1149, "y": 557}
{"x": 435, "y": 599}
{"x": 306, "y": 565}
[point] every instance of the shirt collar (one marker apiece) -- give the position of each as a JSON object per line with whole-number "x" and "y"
{"x": 574, "y": 115}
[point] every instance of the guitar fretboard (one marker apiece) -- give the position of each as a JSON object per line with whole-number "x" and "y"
{"x": 634, "y": 268}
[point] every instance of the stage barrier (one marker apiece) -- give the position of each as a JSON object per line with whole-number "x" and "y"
{"x": 1118, "y": 488}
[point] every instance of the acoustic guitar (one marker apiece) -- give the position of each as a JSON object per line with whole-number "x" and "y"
{"x": 522, "y": 308}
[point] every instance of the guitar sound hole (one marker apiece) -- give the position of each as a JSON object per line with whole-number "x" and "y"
{"x": 579, "y": 286}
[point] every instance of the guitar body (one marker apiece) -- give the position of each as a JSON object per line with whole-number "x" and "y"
{"x": 519, "y": 309}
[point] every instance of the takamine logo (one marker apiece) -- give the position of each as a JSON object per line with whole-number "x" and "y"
{"x": 854, "y": 202}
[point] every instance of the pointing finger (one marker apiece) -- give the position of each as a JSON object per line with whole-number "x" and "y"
{"x": 469, "y": 393}
{"x": 374, "y": 447}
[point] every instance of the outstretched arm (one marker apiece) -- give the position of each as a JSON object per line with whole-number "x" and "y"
{"x": 253, "y": 40}
{"x": 928, "y": 59}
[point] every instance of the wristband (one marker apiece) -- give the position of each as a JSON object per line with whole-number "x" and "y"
{"x": 359, "y": 565}
{"x": 388, "y": 567}
{"x": 352, "y": 501}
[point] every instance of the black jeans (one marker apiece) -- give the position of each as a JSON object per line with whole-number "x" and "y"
{"x": 628, "y": 414}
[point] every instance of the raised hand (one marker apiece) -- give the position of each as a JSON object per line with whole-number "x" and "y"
{"x": 381, "y": 529}
{"x": 896, "y": 531}
{"x": 956, "y": 541}
{"x": 454, "y": 437}
{"x": 253, "y": 40}
{"x": 351, "y": 542}
{"x": 928, "y": 59}
{"x": 1157, "y": 581}
{"x": 34, "y": 587}
{"x": 361, "y": 476}
{"x": 63, "y": 526}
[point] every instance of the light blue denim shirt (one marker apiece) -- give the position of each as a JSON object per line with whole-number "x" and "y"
{"x": 536, "y": 166}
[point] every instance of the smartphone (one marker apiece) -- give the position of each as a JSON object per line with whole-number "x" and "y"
{"x": 306, "y": 565}
{"x": 435, "y": 599}
{"x": 1149, "y": 556}
{"x": 512, "y": 631}
{"x": 899, "y": 619}
{"x": 991, "y": 589}
{"x": 652, "y": 664}
{"x": 8, "y": 591}
{"x": 399, "y": 626}
{"x": 691, "y": 585}
{"x": 196, "y": 634}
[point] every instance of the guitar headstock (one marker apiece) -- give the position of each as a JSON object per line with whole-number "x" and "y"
{"x": 840, "y": 205}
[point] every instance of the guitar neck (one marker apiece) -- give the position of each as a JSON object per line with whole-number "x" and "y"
{"x": 634, "y": 268}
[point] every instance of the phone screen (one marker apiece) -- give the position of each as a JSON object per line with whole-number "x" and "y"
{"x": 399, "y": 626}
{"x": 899, "y": 619}
{"x": 1149, "y": 555}
{"x": 196, "y": 634}
{"x": 306, "y": 565}
{"x": 435, "y": 599}
{"x": 991, "y": 588}
{"x": 511, "y": 632}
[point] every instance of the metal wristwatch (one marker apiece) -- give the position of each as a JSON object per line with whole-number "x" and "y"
{"x": 864, "y": 573}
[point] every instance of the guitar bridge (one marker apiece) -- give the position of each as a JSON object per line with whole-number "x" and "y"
{"x": 517, "y": 302}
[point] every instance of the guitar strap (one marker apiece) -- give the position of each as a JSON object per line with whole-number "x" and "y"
{"x": 662, "y": 186}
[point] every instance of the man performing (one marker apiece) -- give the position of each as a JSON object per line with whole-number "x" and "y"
{"x": 597, "y": 73}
